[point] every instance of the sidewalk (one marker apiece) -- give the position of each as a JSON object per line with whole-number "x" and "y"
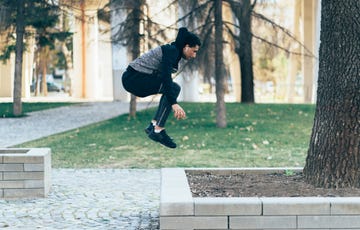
{"x": 81, "y": 198}
{"x": 90, "y": 199}
{"x": 39, "y": 124}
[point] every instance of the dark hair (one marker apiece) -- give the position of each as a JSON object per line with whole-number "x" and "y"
{"x": 192, "y": 40}
{"x": 184, "y": 37}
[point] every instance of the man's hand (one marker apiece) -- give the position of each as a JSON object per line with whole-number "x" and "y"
{"x": 179, "y": 113}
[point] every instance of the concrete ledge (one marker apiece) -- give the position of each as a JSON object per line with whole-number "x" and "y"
{"x": 295, "y": 206}
{"x": 221, "y": 206}
{"x": 263, "y": 222}
{"x": 176, "y": 198}
{"x": 345, "y": 206}
{"x": 331, "y": 222}
{"x": 192, "y": 222}
{"x": 25, "y": 173}
{"x": 179, "y": 210}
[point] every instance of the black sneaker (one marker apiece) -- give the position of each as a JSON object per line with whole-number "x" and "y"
{"x": 149, "y": 129}
{"x": 162, "y": 138}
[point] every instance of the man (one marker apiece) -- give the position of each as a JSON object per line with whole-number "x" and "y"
{"x": 150, "y": 74}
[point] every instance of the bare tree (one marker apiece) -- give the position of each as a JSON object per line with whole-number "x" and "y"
{"x": 243, "y": 11}
{"x": 206, "y": 17}
{"x": 334, "y": 150}
{"x": 219, "y": 76}
{"x": 128, "y": 33}
{"x": 135, "y": 17}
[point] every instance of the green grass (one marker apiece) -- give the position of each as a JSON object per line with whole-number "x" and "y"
{"x": 259, "y": 135}
{"x": 6, "y": 109}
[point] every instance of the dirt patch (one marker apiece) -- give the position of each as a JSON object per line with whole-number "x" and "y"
{"x": 260, "y": 185}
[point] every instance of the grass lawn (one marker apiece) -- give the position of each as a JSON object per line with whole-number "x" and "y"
{"x": 258, "y": 135}
{"x": 6, "y": 109}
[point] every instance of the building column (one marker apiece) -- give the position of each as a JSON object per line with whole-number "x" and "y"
{"x": 308, "y": 10}
{"x": 231, "y": 59}
{"x": 92, "y": 75}
{"x": 91, "y": 56}
{"x": 317, "y": 47}
{"x": 6, "y": 73}
{"x": 189, "y": 80}
{"x": 294, "y": 59}
{"x": 27, "y": 69}
{"x": 77, "y": 83}
{"x": 120, "y": 57}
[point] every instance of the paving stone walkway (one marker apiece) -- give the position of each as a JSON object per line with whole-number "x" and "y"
{"x": 90, "y": 199}
{"x": 81, "y": 198}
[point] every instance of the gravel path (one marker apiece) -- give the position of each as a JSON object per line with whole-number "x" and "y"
{"x": 81, "y": 198}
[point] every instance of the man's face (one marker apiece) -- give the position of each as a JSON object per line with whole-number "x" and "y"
{"x": 190, "y": 52}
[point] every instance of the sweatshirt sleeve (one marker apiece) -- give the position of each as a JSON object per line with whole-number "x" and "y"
{"x": 168, "y": 62}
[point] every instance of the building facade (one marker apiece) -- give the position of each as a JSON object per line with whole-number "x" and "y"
{"x": 98, "y": 63}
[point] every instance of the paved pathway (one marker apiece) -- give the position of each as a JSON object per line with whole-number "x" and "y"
{"x": 90, "y": 199}
{"x": 47, "y": 122}
{"x": 81, "y": 198}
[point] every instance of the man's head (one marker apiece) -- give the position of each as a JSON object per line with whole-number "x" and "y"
{"x": 188, "y": 43}
{"x": 189, "y": 52}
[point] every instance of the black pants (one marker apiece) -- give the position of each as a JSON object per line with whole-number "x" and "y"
{"x": 143, "y": 85}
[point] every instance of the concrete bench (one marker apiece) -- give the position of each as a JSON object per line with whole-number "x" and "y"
{"x": 25, "y": 173}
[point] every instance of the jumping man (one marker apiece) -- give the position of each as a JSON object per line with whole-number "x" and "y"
{"x": 150, "y": 74}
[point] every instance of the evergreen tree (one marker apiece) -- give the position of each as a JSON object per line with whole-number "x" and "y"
{"x": 38, "y": 14}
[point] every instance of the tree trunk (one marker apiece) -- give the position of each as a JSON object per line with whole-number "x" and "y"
{"x": 242, "y": 11}
{"x": 219, "y": 77}
{"x": 44, "y": 56}
{"x": 20, "y": 28}
{"x": 135, "y": 50}
{"x": 37, "y": 73}
{"x": 333, "y": 157}
{"x": 245, "y": 53}
{"x": 68, "y": 68}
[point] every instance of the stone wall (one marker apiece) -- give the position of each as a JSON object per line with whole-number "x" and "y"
{"x": 25, "y": 173}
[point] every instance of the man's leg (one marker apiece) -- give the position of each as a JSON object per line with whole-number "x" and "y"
{"x": 161, "y": 116}
{"x": 164, "y": 108}
{"x": 140, "y": 84}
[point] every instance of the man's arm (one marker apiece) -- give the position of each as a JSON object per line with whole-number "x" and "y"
{"x": 169, "y": 59}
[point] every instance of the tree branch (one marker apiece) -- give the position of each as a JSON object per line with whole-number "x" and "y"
{"x": 280, "y": 47}
{"x": 200, "y": 7}
{"x": 226, "y": 23}
{"x": 286, "y": 31}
